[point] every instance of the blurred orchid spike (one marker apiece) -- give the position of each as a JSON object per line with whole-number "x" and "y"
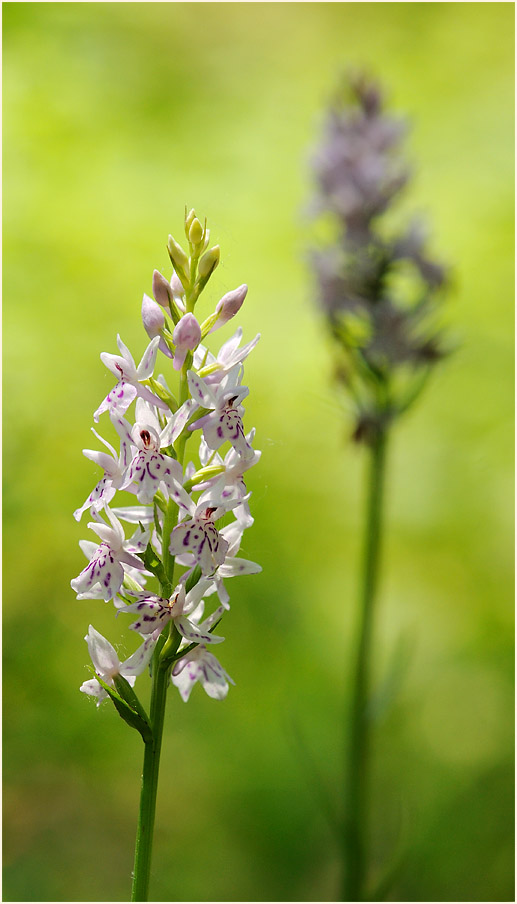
{"x": 377, "y": 286}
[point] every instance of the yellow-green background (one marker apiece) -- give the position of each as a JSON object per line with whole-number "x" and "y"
{"x": 116, "y": 115}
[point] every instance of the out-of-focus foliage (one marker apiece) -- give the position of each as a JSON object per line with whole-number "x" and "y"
{"x": 115, "y": 116}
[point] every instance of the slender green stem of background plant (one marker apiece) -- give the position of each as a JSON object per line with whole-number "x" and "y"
{"x": 357, "y": 775}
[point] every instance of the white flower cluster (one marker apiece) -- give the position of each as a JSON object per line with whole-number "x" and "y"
{"x": 176, "y": 537}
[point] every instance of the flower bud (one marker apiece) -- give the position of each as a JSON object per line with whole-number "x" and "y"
{"x": 228, "y": 306}
{"x": 152, "y": 316}
{"x": 189, "y": 217}
{"x": 153, "y": 319}
{"x": 209, "y": 262}
{"x": 177, "y": 289}
{"x": 186, "y": 337}
{"x": 195, "y": 233}
{"x": 179, "y": 259}
{"x": 161, "y": 289}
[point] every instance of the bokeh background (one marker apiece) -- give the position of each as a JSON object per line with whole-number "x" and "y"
{"x": 116, "y": 115}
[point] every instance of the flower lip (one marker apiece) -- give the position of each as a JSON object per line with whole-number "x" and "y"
{"x": 208, "y": 513}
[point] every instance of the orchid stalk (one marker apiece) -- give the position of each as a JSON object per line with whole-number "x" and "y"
{"x": 179, "y": 555}
{"x": 380, "y": 293}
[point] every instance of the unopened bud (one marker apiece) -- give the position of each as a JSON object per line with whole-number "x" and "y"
{"x": 206, "y": 239}
{"x": 209, "y": 262}
{"x": 153, "y": 320}
{"x": 195, "y": 233}
{"x": 228, "y": 306}
{"x": 161, "y": 289}
{"x": 179, "y": 258}
{"x": 152, "y": 315}
{"x": 189, "y": 217}
{"x": 186, "y": 337}
{"x": 177, "y": 289}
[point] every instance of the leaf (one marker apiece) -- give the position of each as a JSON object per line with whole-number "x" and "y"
{"x": 193, "y": 579}
{"x": 129, "y": 715}
{"x": 128, "y": 695}
{"x": 169, "y": 451}
{"x": 163, "y": 394}
{"x": 153, "y": 563}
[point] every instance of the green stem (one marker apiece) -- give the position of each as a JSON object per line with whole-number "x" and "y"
{"x": 169, "y": 522}
{"x": 144, "y": 833}
{"x": 162, "y": 664}
{"x": 150, "y": 773}
{"x": 357, "y": 777}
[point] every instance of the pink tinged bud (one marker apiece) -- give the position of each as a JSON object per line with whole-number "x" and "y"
{"x": 228, "y": 306}
{"x": 161, "y": 289}
{"x": 152, "y": 316}
{"x": 186, "y": 337}
{"x": 177, "y": 289}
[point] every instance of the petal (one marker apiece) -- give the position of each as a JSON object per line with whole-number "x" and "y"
{"x": 203, "y": 357}
{"x": 123, "y": 429}
{"x": 151, "y": 615}
{"x": 96, "y": 593}
{"x": 101, "y": 494}
{"x": 222, "y": 593}
{"x": 145, "y": 416}
{"x": 233, "y": 533}
{"x": 232, "y": 567}
{"x": 185, "y": 678}
{"x": 227, "y": 350}
{"x": 146, "y": 366}
{"x": 107, "y": 462}
{"x": 118, "y": 399}
{"x": 195, "y": 633}
{"x": 102, "y": 653}
{"x": 88, "y": 547}
{"x": 204, "y": 667}
{"x": 119, "y": 366}
{"x": 135, "y": 513}
{"x": 104, "y": 441}
{"x": 178, "y": 535}
{"x": 200, "y": 391}
{"x": 215, "y": 616}
{"x": 193, "y": 598}
{"x": 126, "y": 354}
{"x": 146, "y": 394}
{"x": 182, "y": 498}
{"x": 179, "y": 357}
{"x": 93, "y": 688}
{"x": 131, "y": 560}
{"x": 136, "y": 663}
{"x": 106, "y": 533}
{"x": 177, "y": 422}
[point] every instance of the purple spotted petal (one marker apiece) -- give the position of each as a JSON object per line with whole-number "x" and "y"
{"x": 200, "y": 391}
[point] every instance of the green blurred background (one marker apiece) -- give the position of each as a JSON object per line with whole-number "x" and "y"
{"x": 116, "y": 115}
